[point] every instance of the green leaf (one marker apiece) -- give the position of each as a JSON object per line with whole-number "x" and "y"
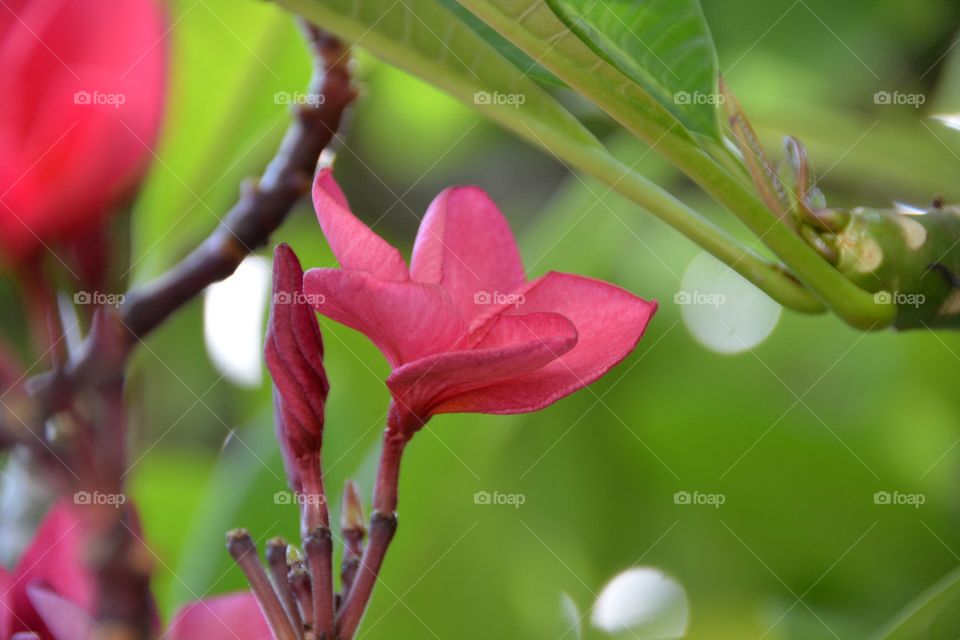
{"x": 533, "y": 27}
{"x": 663, "y": 45}
{"x": 913, "y": 622}
{"x": 425, "y": 39}
{"x": 504, "y": 47}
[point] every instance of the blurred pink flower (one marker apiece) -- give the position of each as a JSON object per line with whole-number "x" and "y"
{"x": 235, "y": 616}
{"x": 50, "y": 593}
{"x": 463, "y": 329}
{"x": 50, "y": 583}
{"x": 83, "y": 82}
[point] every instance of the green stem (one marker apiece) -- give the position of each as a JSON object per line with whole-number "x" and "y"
{"x": 854, "y": 305}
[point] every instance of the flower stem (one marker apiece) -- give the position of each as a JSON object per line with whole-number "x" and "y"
{"x": 317, "y": 543}
{"x": 382, "y": 528}
{"x": 383, "y": 521}
{"x": 388, "y": 473}
{"x": 318, "y": 547}
{"x": 244, "y": 552}
{"x": 313, "y": 499}
{"x": 277, "y": 561}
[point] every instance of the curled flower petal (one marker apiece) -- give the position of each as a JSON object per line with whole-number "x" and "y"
{"x": 465, "y": 245}
{"x": 610, "y": 322}
{"x": 354, "y": 243}
{"x": 515, "y": 345}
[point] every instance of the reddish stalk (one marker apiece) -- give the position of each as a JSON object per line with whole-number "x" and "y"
{"x": 317, "y": 543}
{"x": 401, "y": 425}
{"x": 299, "y": 581}
{"x": 277, "y": 561}
{"x": 244, "y": 552}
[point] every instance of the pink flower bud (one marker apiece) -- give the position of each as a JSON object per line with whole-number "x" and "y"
{"x": 294, "y": 355}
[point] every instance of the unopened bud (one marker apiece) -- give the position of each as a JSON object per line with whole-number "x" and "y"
{"x": 351, "y": 510}
{"x": 294, "y": 355}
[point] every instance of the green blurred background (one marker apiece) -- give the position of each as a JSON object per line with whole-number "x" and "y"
{"x": 797, "y": 434}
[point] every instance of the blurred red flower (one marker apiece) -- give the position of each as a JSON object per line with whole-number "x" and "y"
{"x": 50, "y": 583}
{"x": 83, "y": 84}
{"x": 50, "y": 593}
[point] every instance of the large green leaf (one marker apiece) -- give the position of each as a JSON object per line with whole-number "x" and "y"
{"x": 504, "y": 47}
{"x": 533, "y": 27}
{"x": 425, "y": 39}
{"x": 663, "y": 45}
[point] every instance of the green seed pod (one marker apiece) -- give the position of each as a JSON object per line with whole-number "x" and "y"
{"x": 912, "y": 261}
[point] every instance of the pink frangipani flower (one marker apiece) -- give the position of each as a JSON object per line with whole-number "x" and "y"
{"x": 462, "y": 328}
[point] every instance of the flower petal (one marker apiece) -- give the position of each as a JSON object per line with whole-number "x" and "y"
{"x": 354, "y": 243}
{"x": 609, "y": 322}
{"x": 512, "y": 346}
{"x": 406, "y": 320}
{"x": 465, "y": 244}
{"x": 65, "y": 620}
{"x": 235, "y": 616}
{"x": 54, "y": 560}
